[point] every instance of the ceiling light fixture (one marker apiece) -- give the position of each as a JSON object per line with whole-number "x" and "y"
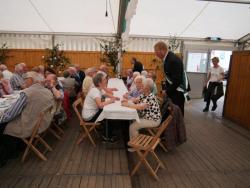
{"x": 106, "y": 13}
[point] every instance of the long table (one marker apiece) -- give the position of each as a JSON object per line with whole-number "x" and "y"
{"x": 115, "y": 110}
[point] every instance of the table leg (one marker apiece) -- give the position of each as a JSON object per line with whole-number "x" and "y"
{"x": 107, "y": 129}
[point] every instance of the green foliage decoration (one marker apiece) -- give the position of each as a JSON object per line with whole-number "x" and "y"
{"x": 55, "y": 59}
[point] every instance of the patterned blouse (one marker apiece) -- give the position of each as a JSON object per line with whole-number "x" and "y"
{"x": 152, "y": 112}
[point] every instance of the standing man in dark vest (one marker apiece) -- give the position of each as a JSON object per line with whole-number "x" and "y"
{"x": 137, "y": 65}
{"x": 173, "y": 68}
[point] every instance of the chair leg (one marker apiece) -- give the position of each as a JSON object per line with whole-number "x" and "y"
{"x": 30, "y": 146}
{"x": 163, "y": 147}
{"x": 55, "y": 134}
{"x": 151, "y": 170}
{"x": 141, "y": 158}
{"x": 45, "y": 143}
{"x": 91, "y": 139}
{"x": 79, "y": 140}
{"x": 158, "y": 160}
{"x": 59, "y": 129}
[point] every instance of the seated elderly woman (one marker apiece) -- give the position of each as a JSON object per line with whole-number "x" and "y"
{"x": 94, "y": 103}
{"x": 148, "y": 109}
{"x": 135, "y": 74}
{"x": 138, "y": 88}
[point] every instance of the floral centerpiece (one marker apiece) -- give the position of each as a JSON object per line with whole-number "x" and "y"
{"x": 55, "y": 59}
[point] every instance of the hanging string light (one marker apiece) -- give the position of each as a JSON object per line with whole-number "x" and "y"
{"x": 106, "y": 14}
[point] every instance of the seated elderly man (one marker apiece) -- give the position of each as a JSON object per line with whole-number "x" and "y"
{"x": 16, "y": 81}
{"x": 69, "y": 85}
{"x": 148, "y": 109}
{"x": 54, "y": 86}
{"x": 21, "y": 117}
{"x": 138, "y": 88}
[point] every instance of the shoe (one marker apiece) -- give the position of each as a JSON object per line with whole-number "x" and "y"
{"x": 214, "y": 107}
{"x": 131, "y": 150}
{"x": 205, "y": 109}
{"x": 106, "y": 140}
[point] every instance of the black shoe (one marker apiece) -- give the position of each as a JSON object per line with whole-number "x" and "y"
{"x": 205, "y": 109}
{"x": 106, "y": 140}
{"x": 214, "y": 107}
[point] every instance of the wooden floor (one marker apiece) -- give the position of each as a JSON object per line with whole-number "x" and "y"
{"x": 216, "y": 154}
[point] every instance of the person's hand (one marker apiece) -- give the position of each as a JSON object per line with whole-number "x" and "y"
{"x": 124, "y": 103}
{"x": 124, "y": 100}
{"x": 112, "y": 100}
{"x": 114, "y": 89}
{"x": 135, "y": 100}
{"x": 164, "y": 93}
{"x": 125, "y": 96}
{"x": 117, "y": 98}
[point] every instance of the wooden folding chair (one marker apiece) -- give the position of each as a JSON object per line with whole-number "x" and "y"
{"x": 152, "y": 131}
{"x": 87, "y": 127}
{"x": 55, "y": 129}
{"x": 145, "y": 144}
{"x": 35, "y": 137}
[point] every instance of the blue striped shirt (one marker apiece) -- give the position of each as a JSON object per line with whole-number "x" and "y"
{"x": 15, "y": 109}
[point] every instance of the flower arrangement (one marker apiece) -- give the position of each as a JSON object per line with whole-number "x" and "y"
{"x": 110, "y": 51}
{"x": 55, "y": 59}
{"x": 4, "y": 53}
{"x": 173, "y": 43}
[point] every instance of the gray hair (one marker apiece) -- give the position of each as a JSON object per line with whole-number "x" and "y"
{"x": 148, "y": 82}
{"x": 3, "y": 67}
{"x": 135, "y": 74}
{"x": 18, "y": 67}
{"x": 34, "y": 75}
{"x": 144, "y": 73}
{"x": 139, "y": 77}
{"x": 98, "y": 79}
{"x": 90, "y": 70}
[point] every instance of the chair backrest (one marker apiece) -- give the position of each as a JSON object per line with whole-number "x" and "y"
{"x": 161, "y": 128}
{"x": 41, "y": 116}
{"x": 76, "y": 105}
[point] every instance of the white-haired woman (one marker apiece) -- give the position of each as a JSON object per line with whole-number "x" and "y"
{"x": 135, "y": 74}
{"x": 148, "y": 109}
{"x": 137, "y": 91}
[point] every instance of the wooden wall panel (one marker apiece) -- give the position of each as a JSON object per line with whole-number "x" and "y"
{"x": 237, "y": 101}
{"x": 87, "y": 59}
{"x": 146, "y": 58}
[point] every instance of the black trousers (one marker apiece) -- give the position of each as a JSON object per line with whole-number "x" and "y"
{"x": 178, "y": 99}
{"x": 210, "y": 91}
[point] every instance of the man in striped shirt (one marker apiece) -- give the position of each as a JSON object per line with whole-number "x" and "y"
{"x": 17, "y": 81}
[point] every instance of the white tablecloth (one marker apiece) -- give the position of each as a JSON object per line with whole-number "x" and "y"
{"x": 115, "y": 110}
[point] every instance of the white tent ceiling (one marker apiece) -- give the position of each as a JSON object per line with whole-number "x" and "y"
{"x": 183, "y": 18}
